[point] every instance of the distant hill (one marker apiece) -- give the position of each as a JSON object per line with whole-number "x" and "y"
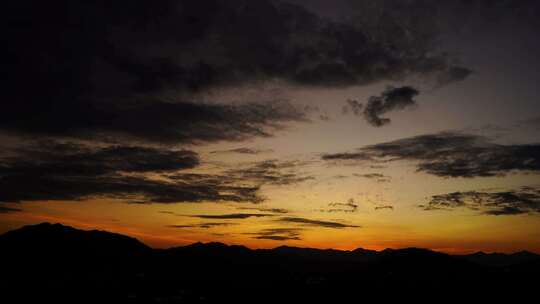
{"x": 60, "y": 240}
{"x": 501, "y": 259}
{"x": 52, "y": 262}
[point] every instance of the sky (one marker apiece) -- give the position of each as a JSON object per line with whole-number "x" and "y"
{"x": 328, "y": 124}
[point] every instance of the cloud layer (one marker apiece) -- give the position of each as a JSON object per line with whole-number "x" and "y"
{"x": 349, "y": 206}
{"x": 316, "y": 223}
{"x": 271, "y": 172}
{"x": 391, "y": 99}
{"x": 70, "y": 171}
{"x": 8, "y": 209}
{"x": 202, "y": 225}
{"x": 150, "y": 121}
{"x": 233, "y": 216}
{"x": 451, "y": 154}
{"x": 278, "y": 234}
{"x": 112, "y": 73}
{"x": 518, "y": 201}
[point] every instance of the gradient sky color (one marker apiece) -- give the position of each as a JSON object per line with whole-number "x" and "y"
{"x": 261, "y": 155}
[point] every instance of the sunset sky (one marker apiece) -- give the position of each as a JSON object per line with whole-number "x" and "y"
{"x": 327, "y": 124}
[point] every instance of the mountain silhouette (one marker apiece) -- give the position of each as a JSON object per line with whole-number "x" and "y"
{"x": 501, "y": 259}
{"x": 63, "y": 240}
{"x": 52, "y": 262}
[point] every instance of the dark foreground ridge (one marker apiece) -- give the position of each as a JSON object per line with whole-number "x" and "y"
{"x": 54, "y": 263}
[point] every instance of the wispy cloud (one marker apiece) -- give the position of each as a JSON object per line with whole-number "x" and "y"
{"x": 349, "y": 206}
{"x": 380, "y": 178}
{"x": 232, "y": 216}
{"x": 69, "y": 171}
{"x": 251, "y": 151}
{"x": 387, "y": 207}
{"x": 4, "y": 209}
{"x": 278, "y": 234}
{"x": 317, "y": 223}
{"x": 272, "y": 172}
{"x": 450, "y": 154}
{"x": 512, "y": 202}
{"x": 203, "y": 225}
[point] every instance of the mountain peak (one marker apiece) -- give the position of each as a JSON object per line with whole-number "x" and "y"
{"x": 59, "y": 239}
{"x": 364, "y": 251}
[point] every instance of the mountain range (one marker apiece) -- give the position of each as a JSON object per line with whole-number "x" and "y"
{"x": 58, "y": 263}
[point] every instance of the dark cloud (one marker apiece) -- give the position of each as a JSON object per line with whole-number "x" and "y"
{"x": 278, "y": 234}
{"x": 271, "y": 172}
{"x": 384, "y": 207}
{"x": 349, "y": 206}
{"x": 244, "y": 151}
{"x": 153, "y": 121}
{"x": 221, "y": 187}
{"x": 113, "y": 73}
{"x": 69, "y": 171}
{"x": 390, "y": 100}
{"x": 247, "y": 180}
{"x": 318, "y": 223}
{"x": 57, "y": 158}
{"x": 380, "y": 178}
{"x": 4, "y": 209}
{"x": 17, "y": 188}
{"x": 52, "y": 170}
{"x": 451, "y": 154}
{"x": 202, "y": 225}
{"x": 519, "y": 201}
{"x": 233, "y": 216}
{"x": 346, "y": 156}
{"x": 370, "y": 175}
